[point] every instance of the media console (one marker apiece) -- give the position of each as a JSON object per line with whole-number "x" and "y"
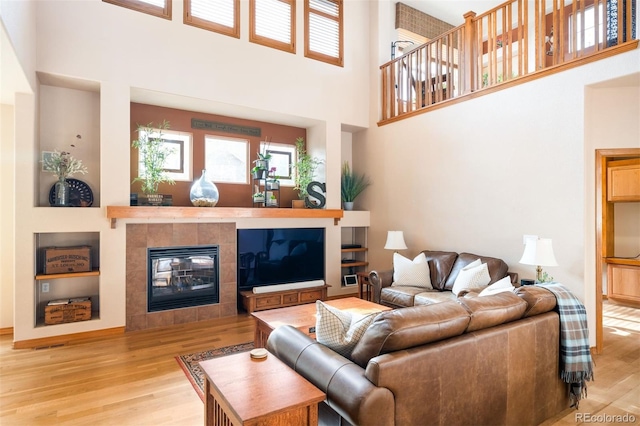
{"x": 279, "y": 299}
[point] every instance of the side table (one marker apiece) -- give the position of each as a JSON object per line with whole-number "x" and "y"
{"x": 240, "y": 390}
{"x": 364, "y": 287}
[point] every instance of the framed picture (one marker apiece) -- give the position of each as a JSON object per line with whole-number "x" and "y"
{"x": 350, "y": 280}
{"x": 46, "y": 156}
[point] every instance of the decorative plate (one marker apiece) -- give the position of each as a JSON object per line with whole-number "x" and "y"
{"x": 80, "y": 194}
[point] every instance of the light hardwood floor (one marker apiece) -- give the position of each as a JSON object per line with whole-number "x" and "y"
{"x": 134, "y": 379}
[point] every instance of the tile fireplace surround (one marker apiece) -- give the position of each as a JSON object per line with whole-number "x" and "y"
{"x": 142, "y": 236}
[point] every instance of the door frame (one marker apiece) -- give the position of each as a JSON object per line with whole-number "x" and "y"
{"x": 603, "y": 212}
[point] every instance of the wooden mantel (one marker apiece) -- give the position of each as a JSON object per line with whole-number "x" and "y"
{"x": 143, "y": 212}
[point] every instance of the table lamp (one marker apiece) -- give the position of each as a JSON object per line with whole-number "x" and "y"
{"x": 395, "y": 241}
{"x": 538, "y": 252}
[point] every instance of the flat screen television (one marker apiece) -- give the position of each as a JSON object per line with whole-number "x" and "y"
{"x": 279, "y": 256}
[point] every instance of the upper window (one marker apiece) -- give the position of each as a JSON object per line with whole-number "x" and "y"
{"x": 221, "y": 16}
{"x": 323, "y": 32}
{"x": 226, "y": 159}
{"x": 271, "y": 23}
{"x": 586, "y": 38}
{"x": 161, "y": 8}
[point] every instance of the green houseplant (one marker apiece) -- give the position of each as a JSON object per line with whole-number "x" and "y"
{"x": 153, "y": 153}
{"x": 351, "y": 185}
{"x": 305, "y": 167}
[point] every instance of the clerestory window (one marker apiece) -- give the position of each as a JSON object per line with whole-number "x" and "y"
{"x": 160, "y": 8}
{"x": 323, "y": 32}
{"x": 272, "y": 23}
{"x": 221, "y": 16}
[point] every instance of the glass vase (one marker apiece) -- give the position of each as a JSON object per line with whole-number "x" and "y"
{"x": 203, "y": 192}
{"x": 62, "y": 190}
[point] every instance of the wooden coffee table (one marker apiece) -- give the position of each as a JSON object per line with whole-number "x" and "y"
{"x": 303, "y": 317}
{"x": 240, "y": 390}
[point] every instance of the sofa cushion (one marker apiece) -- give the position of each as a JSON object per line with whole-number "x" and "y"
{"x": 440, "y": 264}
{"x": 340, "y": 330}
{"x": 408, "y": 327}
{"x": 539, "y": 299}
{"x": 472, "y": 276}
{"x": 493, "y": 310}
{"x": 433, "y": 296}
{"x": 497, "y": 268}
{"x": 413, "y": 273}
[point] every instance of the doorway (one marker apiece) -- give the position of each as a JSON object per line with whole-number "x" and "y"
{"x": 606, "y": 254}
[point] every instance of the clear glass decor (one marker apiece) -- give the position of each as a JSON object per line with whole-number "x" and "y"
{"x": 203, "y": 192}
{"x": 62, "y": 193}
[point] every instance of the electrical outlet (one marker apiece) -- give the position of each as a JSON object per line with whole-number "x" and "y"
{"x": 526, "y": 237}
{"x": 45, "y": 287}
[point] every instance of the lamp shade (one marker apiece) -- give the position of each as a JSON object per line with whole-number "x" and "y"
{"x": 395, "y": 241}
{"x": 538, "y": 252}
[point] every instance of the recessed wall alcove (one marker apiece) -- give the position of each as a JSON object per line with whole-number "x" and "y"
{"x": 142, "y": 236}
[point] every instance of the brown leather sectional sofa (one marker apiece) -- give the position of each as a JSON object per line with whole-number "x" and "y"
{"x": 444, "y": 267}
{"x": 476, "y": 361}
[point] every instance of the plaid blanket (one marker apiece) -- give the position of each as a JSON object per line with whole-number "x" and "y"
{"x": 575, "y": 355}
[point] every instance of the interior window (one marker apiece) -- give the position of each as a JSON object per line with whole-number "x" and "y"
{"x": 178, "y": 163}
{"x": 271, "y": 23}
{"x": 160, "y": 8}
{"x": 226, "y": 159}
{"x": 323, "y": 36}
{"x": 221, "y": 16}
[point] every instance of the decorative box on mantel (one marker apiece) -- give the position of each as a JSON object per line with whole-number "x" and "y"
{"x": 151, "y": 200}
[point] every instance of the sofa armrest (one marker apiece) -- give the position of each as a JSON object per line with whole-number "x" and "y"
{"x": 348, "y": 391}
{"x": 379, "y": 280}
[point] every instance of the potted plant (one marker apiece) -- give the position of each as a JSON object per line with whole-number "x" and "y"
{"x": 258, "y": 172}
{"x": 262, "y": 162}
{"x": 258, "y": 197}
{"x": 351, "y": 185}
{"x": 305, "y": 167}
{"x": 63, "y": 165}
{"x": 153, "y": 153}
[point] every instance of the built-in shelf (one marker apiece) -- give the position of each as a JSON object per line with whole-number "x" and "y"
{"x": 353, "y": 264}
{"x": 94, "y": 273}
{"x": 144, "y": 212}
{"x": 347, "y": 250}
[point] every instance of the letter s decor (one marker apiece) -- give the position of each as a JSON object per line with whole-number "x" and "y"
{"x": 322, "y": 200}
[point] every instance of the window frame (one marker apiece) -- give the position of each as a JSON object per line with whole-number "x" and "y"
{"x": 204, "y": 24}
{"x": 185, "y": 174}
{"x": 143, "y": 7}
{"x": 269, "y": 42}
{"x": 338, "y": 61}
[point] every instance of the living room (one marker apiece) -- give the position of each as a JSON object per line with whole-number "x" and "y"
{"x": 473, "y": 177}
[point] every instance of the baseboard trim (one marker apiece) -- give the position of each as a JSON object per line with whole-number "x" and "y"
{"x": 6, "y": 330}
{"x": 66, "y": 338}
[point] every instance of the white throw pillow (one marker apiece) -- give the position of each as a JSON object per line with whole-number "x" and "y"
{"x": 474, "y": 277}
{"x": 413, "y": 273}
{"x": 498, "y": 287}
{"x": 340, "y": 330}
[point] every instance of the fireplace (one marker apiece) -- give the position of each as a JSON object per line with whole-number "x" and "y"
{"x": 181, "y": 277}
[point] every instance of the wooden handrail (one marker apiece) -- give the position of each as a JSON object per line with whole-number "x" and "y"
{"x": 493, "y": 48}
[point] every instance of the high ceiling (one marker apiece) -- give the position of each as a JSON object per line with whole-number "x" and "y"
{"x": 451, "y": 11}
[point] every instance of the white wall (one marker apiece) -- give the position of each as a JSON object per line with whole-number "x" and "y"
{"x": 130, "y": 54}
{"x": 478, "y": 175}
{"x": 7, "y": 225}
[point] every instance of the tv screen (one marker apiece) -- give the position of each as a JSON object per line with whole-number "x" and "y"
{"x": 279, "y": 256}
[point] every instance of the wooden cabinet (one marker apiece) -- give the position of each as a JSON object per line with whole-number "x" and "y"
{"x": 623, "y": 280}
{"x": 253, "y": 302}
{"x": 623, "y": 180}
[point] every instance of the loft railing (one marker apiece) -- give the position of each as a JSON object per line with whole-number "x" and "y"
{"x": 510, "y": 41}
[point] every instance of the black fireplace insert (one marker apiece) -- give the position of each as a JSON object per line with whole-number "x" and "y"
{"x": 181, "y": 277}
